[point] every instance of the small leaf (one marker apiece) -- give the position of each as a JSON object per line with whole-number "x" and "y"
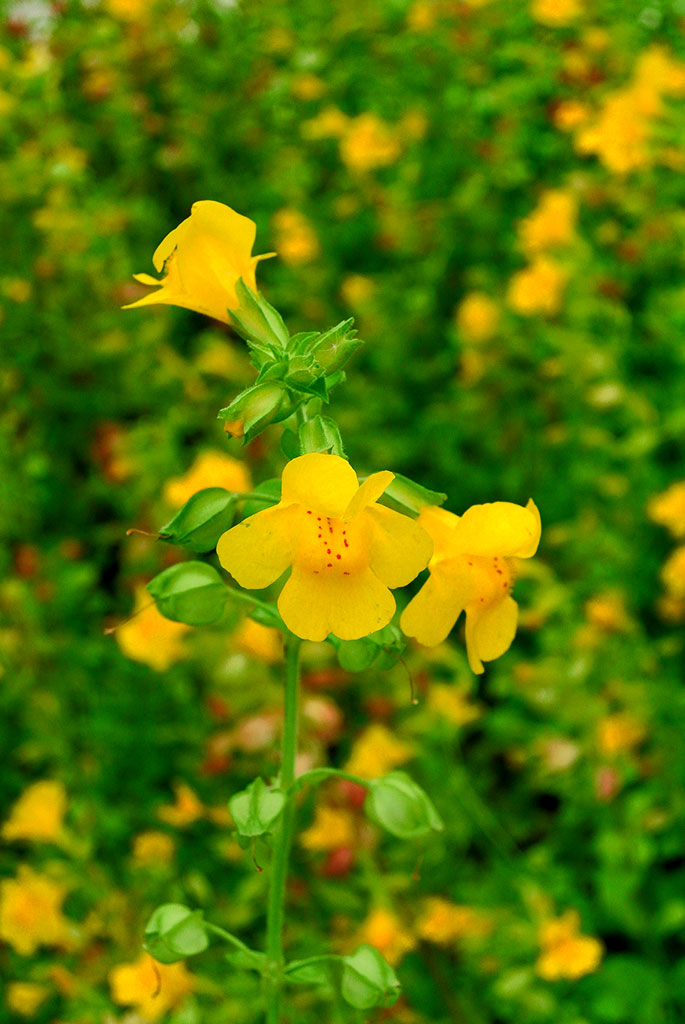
{"x": 175, "y": 932}
{"x": 309, "y": 974}
{"x": 247, "y": 959}
{"x": 398, "y": 805}
{"x": 290, "y": 444}
{"x": 256, "y": 808}
{"x": 410, "y": 496}
{"x": 202, "y": 520}
{"x": 190, "y": 592}
{"x": 368, "y": 980}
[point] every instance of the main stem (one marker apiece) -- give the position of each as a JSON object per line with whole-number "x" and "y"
{"x": 282, "y": 838}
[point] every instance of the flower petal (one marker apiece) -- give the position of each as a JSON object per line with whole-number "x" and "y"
{"x": 231, "y": 231}
{"x": 489, "y": 633}
{"x": 351, "y": 607}
{"x": 324, "y": 483}
{"x": 430, "y": 615}
{"x": 259, "y": 550}
{"x": 369, "y": 492}
{"x": 498, "y": 528}
{"x": 440, "y": 525}
{"x": 400, "y": 548}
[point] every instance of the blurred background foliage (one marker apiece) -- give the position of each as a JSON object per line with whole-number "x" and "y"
{"x": 495, "y": 191}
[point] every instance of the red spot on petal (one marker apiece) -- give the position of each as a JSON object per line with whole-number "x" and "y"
{"x": 328, "y": 551}
{"x": 330, "y": 565}
{"x": 346, "y": 544}
{"x": 338, "y": 556}
{"x": 346, "y": 574}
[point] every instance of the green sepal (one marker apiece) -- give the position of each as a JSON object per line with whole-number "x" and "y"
{"x": 257, "y": 407}
{"x": 258, "y": 322}
{"x": 247, "y": 960}
{"x": 402, "y": 808}
{"x": 368, "y": 979}
{"x": 256, "y": 808}
{"x": 190, "y": 592}
{"x": 357, "y": 655}
{"x": 273, "y": 371}
{"x": 302, "y": 342}
{"x": 320, "y": 434}
{"x": 175, "y": 932}
{"x": 309, "y": 974}
{"x": 334, "y": 347}
{"x": 290, "y": 444}
{"x": 410, "y": 496}
{"x": 269, "y": 487}
{"x": 202, "y": 520}
{"x": 267, "y": 617}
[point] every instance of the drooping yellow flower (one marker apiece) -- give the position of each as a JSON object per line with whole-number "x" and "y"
{"x": 201, "y": 261}
{"x": 152, "y": 988}
{"x": 556, "y": 13}
{"x": 668, "y": 509}
{"x": 149, "y": 637}
{"x": 186, "y": 809}
{"x": 537, "y": 288}
{"x": 565, "y": 953}
{"x": 210, "y": 469}
{"x": 444, "y": 923}
{"x": 263, "y": 642}
{"x": 295, "y": 237}
{"x": 369, "y": 143}
{"x": 376, "y": 752}
{"x": 345, "y": 550}
{"x": 332, "y": 828}
{"x": 153, "y": 847}
{"x": 25, "y": 997}
{"x": 673, "y": 573}
{"x": 38, "y": 814}
{"x": 471, "y": 570}
{"x": 31, "y": 911}
{"x": 551, "y": 224}
{"x": 477, "y": 317}
{"x": 388, "y": 934}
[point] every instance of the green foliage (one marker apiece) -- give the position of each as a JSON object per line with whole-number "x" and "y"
{"x": 175, "y": 932}
{"x": 401, "y": 807}
{"x": 368, "y": 980}
{"x": 256, "y": 809}
{"x": 190, "y": 592}
{"x": 202, "y": 520}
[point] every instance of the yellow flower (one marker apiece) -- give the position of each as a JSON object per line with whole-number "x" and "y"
{"x": 24, "y": 997}
{"x": 537, "y": 288}
{"x": 608, "y": 612}
{"x": 453, "y": 704}
{"x": 477, "y": 317}
{"x": 620, "y": 133}
{"x": 295, "y": 238}
{"x": 149, "y": 637}
{"x": 201, "y": 261}
{"x": 376, "y": 752}
{"x": 263, "y": 642}
{"x": 210, "y": 469}
{"x": 368, "y": 143}
{"x": 444, "y": 923}
{"x": 570, "y": 114}
{"x": 308, "y": 87}
{"x": 657, "y": 70}
{"x": 385, "y": 931}
{"x": 357, "y": 289}
{"x": 668, "y": 509}
{"x": 345, "y": 550}
{"x": 551, "y": 224}
{"x": 565, "y": 953}
{"x": 471, "y": 569}
{"x": 31, "y": 911}
{"x": 331, "y": 123}
{"x": 673, "y": 573}
{"x": 38, "y": 814}
{"x": 556, "y": 13}
{"x": 619, "y": 733}
{"x": 186, "y": 809}
{"x": 152, "y": 988}
{"x": 333, "y": 827}
{"x": 153, "y": 848}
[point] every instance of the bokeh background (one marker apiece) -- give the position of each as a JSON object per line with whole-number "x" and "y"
{"x": 495, "y": 191}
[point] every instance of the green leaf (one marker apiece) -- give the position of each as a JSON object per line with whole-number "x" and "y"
{"x": 398, "y": 805}
{"x": 202, "y": 520}
{"x": 256, "y": 808}
{"x": 321, "y": 434}
{"x": 191, "y": 592}
{"x": 368, "y": 980}
{"x": 410, "y": 496}
{"x": 247, "y": 959}
{"x": 357, "y": 655}
{"x": 175, "y": 932}
{"x": 308, "y": 974}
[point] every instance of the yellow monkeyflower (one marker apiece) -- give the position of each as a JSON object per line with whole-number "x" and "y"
{"x": 570, "y": 114}
{"x": 376, "y": 752}
{"x": 210, "y": 469}
{"x": 388, "y": 934}
{"x": 619, "y": 733}
{"x": 673, "y": 572}
{"x": 668, "y": 509}
{"x": 31, "y": 911}
{"x": 537, "y": 288}
{"x": 556, "y": 13}
{"x": 152, "y": 988}
{"x": 471, "y": 570}
{"x": 149, "y": 637}
{"x": 153, "y": 847}
{"x": 295, "y": 237}
{"x": 551, "y": 224}
{"x": 444, "y": 923}
{"x": 368, "y": 143}
{"x": 565, "y": 953}
{"x": 345, "y": 550}
{"x": 263, "y": 642}
{"x": 38, "y": 814}
{"x": 451, "y": 704}
{"x": 477, "y": 317}
{"x": 24, "y": 997}
{"x": 186, "y": 809}
{"x": 332, "y": 828}
{"x": 201, "y": 261}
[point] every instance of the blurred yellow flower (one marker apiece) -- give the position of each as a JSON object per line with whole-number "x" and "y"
{"x": 655, "y": 69}
{"x": 295, "y": 237}
{"x": 388, "y": 934}
{"x": 186, "y": 809}
{"x": 551, "y": 224}
{"x": 25, "y": 997}
{"x": 477, "y": 317}
{"x": 369, "y": 143}
{"x": 537, "y": 288}
{"x": 127, "y": 9}
{"x": 423, "y": 15}
{"x": 210, "y": 469}
{"x": 565, "y": 953}
{"x": 201, "y": 261}
{"x": 444, "y": 923}
{"x": 31, "y": 911}
{"x": 607, "y": 611}
{"x": 556, "y": 13}
{"x": 346, "y": 551}
{"x": 472, "y": 570}
{"x": 308, "y": 87}
{"x": 332, "y": 828}
{"x": 668, "y": 509}
{"x": 619, "y": 733}
{"x": 673, "y": 573}
{"x": 570, "y": 114}
{"x": 376, "y": 752}
{"x": 153, "y": 847}
{"x": 38, "y": 814}
{"x": 150, "y": 987}
{"x": 263, "y": 642}
{"x": 357, "y": 289}
{"x": 619, "y": 134}
{"x": 331, "y": 123}
{"x": 451, "y": 704}
{"x": 149, "y": 637}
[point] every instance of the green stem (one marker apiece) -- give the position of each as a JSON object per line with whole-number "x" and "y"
{"x": 321, "y": 774}
{"x": 282, "y": 838}
{"x": 227, "y": 937}
{"x": 240, "y": 595}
